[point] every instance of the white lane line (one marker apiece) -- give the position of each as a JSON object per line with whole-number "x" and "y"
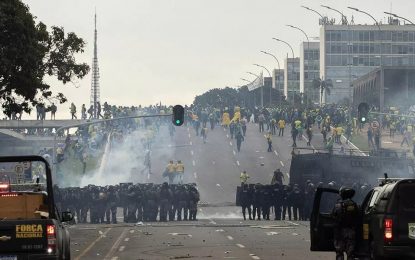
{"x": 230, "y": 143}
{"x": 212, "y": 222}
{"x": 193, "y": 162}
{"x": 132, "y": 231}
{"x": 227, "y": 135}
{"x": 92, "y": 245}
{"x": 114, "y": 258}
{"x": 126, "y": 239}
{"x": 191, "y": 152}
{"x": 240, "y": 245}
{"x": 195, "y": 175}
{"x": 255, "y": 257}
{"x": 282, "y": 164}
{"x": 237, "y": 162}
{"x": 276, "y": 153}
{"x": 121, "y": 248}
{"x": 189, "y": 135}
{"x": 292, "y": 223}
{"x": 288, "y": 175}
{"x": 234, "y": 153}
{"x": 188, "y": 129}
{"x": 229, "y": 237}
{"x": 191, "y": 143}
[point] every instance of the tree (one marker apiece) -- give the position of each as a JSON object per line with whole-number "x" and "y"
{"x": 29, "y": 52}
{"x": 325, "y": 87}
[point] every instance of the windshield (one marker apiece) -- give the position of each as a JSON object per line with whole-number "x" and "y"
{"x": 275, "y": 100}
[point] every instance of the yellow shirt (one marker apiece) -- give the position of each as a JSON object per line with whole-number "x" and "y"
{"x": 281, "y": 124}
{"x": 180, "y": 167}
{"x": 171, "y": 168}
{"x": 244, "y": 177}
{"x": 339, "y": 130}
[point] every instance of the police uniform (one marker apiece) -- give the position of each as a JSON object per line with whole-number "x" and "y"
{"x": 345, "y": 213}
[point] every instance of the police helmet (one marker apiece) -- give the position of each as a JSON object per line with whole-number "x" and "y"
{"x": 346, "y": 193}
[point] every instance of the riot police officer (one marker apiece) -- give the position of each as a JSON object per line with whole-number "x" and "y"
{"x": 194, "y": 199}
{"x": 277, "y": 198}
{"x": 257, "y": 200}
{"x": 165, "y": 199}
{"x": 346, "y": 214}
{"x": 246, "y": 200}
{"x": 111, "y": 210}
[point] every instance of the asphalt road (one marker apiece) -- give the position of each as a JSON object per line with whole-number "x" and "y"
{"x": 220, "y": 233}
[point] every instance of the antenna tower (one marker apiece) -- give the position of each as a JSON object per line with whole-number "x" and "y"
{"x": 95, "y": 74}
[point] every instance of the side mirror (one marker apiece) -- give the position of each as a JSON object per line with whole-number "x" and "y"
{"x": 67, "y": 216}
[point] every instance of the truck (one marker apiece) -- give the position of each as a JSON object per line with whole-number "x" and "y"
{"x": 31, "y": 225}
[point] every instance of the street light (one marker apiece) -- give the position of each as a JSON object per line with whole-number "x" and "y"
{"x": 312, "y": 10}
{"x": 246, "y": 80}
{"x": 279, "y": 69}
{"x": 308, "y": 46}
{"x": 253, "y": 74}
{"x": 344, "y": 18}
{"x": 292, "y": 51}
{"x": 400, "y": 17}
{"x": 257, "y": 76}
{"x": 269, "y": 74}
{"x": 381, "y": 63}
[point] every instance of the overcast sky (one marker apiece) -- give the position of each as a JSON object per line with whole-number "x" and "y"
{"x": 172, "y": 50}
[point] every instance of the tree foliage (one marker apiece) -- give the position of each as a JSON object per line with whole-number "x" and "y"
{"x": 29, "y": 52}
{"x": 324, "y": 86}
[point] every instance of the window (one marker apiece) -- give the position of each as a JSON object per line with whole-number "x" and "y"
{"x": 373, "y": 198}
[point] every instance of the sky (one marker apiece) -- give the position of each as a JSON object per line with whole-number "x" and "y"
{"x": 172, "y": 50}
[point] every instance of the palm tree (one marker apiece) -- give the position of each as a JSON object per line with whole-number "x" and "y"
{"x": 324, "y": 85}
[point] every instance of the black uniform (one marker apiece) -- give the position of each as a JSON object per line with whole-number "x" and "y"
{"x": 246, "y": 200}
{"x": 346, "y": 213}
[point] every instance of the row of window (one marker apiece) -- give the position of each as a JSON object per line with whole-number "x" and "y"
{"x": 375, "y": 35}
{"x": 366, "y": 48}
{"x": 368, "y": 60}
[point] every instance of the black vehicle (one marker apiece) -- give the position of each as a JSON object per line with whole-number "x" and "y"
{"x": 386, "y": 223}
{"x": 30, "y": 225}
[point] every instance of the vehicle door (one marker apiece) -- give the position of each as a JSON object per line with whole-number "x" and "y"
{"x": 321, "y": 222}
{"x": 405, "y": 226}
{"x": 362, "y": 232}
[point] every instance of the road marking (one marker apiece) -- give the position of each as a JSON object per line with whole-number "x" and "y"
{"x": 271, "y": 233}
{"x": 195, "y": 175}
{"x": 240, "y": 245}
{"x": 188, "y": 129}
{"x": 193, "y": 162}
{"x": 237, "y": 162}
{"x": 294, "y": 234}
{"x": 132, "y": 231}
{"x": 116, "y": 244}
{"x": 292, "y": 223}
{"x": 91, "y": 245}
{"x": 189, "y": 135}
{"x": 212, "y": 222}
{"x": 191, "y": 152}
{"x": 282, "y": 164}
{"x": 229, "y": 237}
{"x": 234, "y": 153}
{"x": 191, "y": 143}
{"x": 276, "y": 153}
{"x": 255, "y": 257}
{"x": 114, "y": 258}
{"x": 288, "y": 175}
{"x": 126, "y": 239}
{"x": 230, "y": 143}
{"x": 121, "y": 248}
{"x": 227, "y": 135}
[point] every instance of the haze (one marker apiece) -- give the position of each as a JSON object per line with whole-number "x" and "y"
{"x": 172, "y": 50}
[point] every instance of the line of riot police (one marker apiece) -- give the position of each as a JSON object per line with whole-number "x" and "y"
{"x": 292, "y": 200}
{"x": 139, "y": 202}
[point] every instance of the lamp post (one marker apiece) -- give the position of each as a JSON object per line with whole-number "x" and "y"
{"x": 292, "y": 51}
{"x": 344, "y": 18}
{"x": 400, "y": 17}
{"x": 270, "y": 92}
{"x": 279, "y": 70}
{"x": 382, "y": 80}
{"x": 314, "y": 11}
{"x": 246, "y": 80}
{"x": 308, "y": 49}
